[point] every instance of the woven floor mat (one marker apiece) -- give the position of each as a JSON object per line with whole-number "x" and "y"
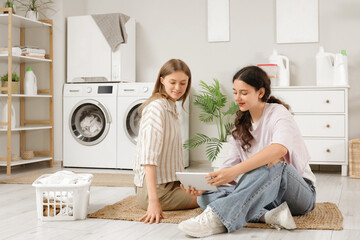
{"x": 325, "y": 215}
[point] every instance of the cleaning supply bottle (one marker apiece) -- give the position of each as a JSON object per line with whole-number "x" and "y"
{"x": 341, "y": 69}
{"x": 324, "y": 68}
{"x": 4, "y": 115}
{"x": 30, "y": 82}
{"x": 283, "y": 68}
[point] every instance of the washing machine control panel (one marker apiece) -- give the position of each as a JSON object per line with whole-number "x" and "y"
{"x": 88, "y": 89}
{"x": 105, "y": 89}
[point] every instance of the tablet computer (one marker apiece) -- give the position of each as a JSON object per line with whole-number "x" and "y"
{"x": 196, "y": 180}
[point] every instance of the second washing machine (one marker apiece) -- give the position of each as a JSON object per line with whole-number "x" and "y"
{"x": 130, "y": 97}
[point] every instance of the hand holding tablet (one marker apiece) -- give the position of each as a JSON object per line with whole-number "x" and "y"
{"x": 195, "y": 180}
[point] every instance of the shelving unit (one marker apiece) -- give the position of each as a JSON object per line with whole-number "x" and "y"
{"x": 15, "y": 21}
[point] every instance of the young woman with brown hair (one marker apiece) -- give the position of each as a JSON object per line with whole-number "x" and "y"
{"x": 268, "y": 149}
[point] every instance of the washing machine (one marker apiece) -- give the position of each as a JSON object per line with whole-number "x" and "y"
{"x": 130, "y": 97}
{"x": 90, "y": 125}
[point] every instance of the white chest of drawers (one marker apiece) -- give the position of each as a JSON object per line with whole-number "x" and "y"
{"x": 322, "y": 116}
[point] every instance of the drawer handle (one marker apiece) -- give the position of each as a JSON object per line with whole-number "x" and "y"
{"x": 327, "y": 101}
{"x": 328, "y": 125}
{"x": 328, "y": 150}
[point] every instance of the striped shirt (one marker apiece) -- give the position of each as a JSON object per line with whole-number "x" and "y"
{"x": 159, "y": 142}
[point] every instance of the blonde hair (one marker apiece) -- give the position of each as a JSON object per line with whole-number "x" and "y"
{"x": 171, "y": 66}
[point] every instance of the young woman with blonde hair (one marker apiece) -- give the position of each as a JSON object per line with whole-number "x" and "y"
{"x": 159, "y": 148}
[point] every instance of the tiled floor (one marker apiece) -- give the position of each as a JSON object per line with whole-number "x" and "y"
{"x": 18, "y": 218}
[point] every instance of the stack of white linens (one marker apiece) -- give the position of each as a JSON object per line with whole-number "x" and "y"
{"x": 24, "y": 51}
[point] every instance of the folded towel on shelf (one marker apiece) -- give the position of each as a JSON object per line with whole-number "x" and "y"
{"x": 32, "y": 50}
{"x": 112, "y": 27}
{"x": 16, "y": 51}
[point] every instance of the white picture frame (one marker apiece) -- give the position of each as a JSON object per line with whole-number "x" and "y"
{"x": 218, "y": 20}
{"x": 297, "y": 21}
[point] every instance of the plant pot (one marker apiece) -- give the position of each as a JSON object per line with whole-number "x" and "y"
{"x": 32, "y": 15}
{"x": 14, "y": 87}
{"x": 221, "y": 157}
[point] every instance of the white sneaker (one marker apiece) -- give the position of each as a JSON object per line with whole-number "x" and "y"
{"x": 280, "y": 217}
{"x": 205, "y": 224}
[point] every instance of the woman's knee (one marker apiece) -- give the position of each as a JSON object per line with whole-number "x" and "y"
{"x": 193, "y": 203}
{"x": 202, "y": 201}
{"x": 143, "y": 203}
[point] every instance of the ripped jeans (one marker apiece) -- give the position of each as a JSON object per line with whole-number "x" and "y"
{"x": 259, "y": 191}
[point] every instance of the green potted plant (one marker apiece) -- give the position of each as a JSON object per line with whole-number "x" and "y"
{"x": 14, "y": 84}
{"x": 212, "y": 103}
{"x": 9, "y": 4}
{"x": 34, "y": 8}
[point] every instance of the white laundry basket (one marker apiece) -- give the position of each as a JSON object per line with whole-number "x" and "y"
{"x": 57, "y": 202}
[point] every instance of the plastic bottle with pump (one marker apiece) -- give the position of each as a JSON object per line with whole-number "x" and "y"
{"x": 324, "y": 67}
{"x": 341, "y": 69}
{"x": 283, "y": 68}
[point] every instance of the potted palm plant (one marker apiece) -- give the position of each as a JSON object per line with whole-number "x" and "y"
{"x": 14, "y": 85}
{"x": 213, "y": 105}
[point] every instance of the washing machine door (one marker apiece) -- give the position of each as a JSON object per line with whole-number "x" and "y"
{"x": 89, "y": 122}
{"x": 132, "y": 120}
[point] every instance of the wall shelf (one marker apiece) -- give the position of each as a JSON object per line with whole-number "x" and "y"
{"x": 22, "y": 162}
{"x": 27, "y": 128}
{"x": 23, "y": 59}
{"x": 28, "y": 96}
{"x": 22, "y": 22}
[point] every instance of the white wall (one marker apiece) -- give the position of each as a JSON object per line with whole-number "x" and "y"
{"x": 178, "y": 29}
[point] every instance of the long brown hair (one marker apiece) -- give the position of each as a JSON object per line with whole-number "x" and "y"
{"x": 171, "y": 66}
{"x": 257, "y": 78}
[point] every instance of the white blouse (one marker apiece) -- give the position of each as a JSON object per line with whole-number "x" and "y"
{"x": 159, "y": 142}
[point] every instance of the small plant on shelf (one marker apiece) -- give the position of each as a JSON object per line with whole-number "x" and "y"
{"x": 9, "y": 4}
{"x": 36, "y": 8}
{"x": 15, "y": 83}
{"x": 14, "y": 77}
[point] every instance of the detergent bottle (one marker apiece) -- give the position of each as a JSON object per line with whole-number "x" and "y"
{"x": 4, "y": 115}
{"x": 30, "y": 82}
{"x": 283, "y": 68}
{"x": 341, "y": 69}
{"x": 324, "y": 67}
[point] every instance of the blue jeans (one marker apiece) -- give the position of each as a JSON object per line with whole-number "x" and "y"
{"x": 257, "y": 192}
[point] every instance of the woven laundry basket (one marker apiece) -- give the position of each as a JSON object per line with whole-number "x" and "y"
{"x": 354, "y": 158}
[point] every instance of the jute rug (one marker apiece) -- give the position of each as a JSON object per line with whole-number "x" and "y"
{"x": 100, "y": 179}
{"x": 324, "y": 216}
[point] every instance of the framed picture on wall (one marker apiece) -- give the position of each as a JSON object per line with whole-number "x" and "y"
{"x": 297, "y": 21}
{"x": 218, "y": 20}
